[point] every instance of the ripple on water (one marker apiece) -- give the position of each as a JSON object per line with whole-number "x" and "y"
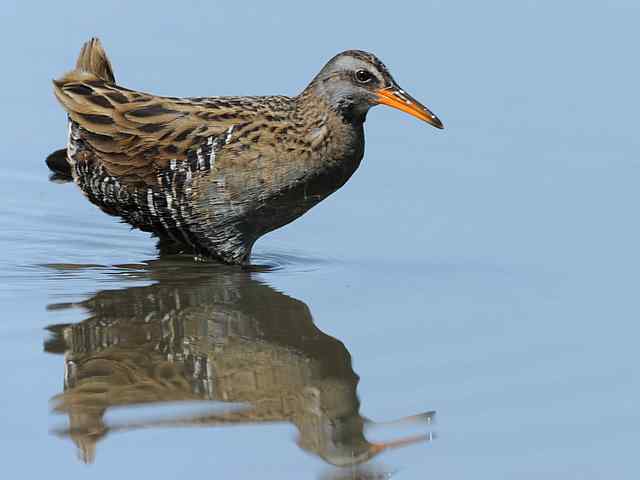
{"x": 166, "y": 268}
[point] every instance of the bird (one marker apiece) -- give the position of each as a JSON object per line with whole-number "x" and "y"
{"x": 211, "y": 175}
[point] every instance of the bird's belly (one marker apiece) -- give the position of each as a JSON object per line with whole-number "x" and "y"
{"x": 205, "y": 211}
{"x": 291, "y": 200}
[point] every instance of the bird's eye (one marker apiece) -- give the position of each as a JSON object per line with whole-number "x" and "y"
{"x": 363, "y": 76}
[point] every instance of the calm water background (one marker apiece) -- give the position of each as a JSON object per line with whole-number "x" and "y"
{"x": 489, "y": 271}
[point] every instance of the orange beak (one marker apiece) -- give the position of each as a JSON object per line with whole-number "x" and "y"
{"x": 398, "y": 98}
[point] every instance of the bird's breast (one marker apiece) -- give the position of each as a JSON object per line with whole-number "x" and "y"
{"x": 279, "y": 184}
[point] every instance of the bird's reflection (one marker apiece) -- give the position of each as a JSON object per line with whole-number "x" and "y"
{"x": 210, "y": 334}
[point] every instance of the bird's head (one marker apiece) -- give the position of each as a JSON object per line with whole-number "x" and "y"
{"x": 354, "y": 81}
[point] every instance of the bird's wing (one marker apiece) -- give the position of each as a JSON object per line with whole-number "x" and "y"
{"x": 135, "y": 134}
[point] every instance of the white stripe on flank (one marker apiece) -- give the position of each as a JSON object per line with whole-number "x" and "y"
{"x": 229, "y": 132}
{"x": 200, "y": 158}
{"x": 150, "y": 204}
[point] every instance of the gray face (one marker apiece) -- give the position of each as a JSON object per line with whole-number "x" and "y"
{"x": 350, "y": 80}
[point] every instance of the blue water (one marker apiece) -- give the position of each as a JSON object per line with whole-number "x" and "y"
{"x": 488, "y": 271}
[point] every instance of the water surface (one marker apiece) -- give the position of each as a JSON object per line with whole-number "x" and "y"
{"x": 487, "y": 272}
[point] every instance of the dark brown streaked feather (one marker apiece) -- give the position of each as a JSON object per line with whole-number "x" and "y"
{"x": 140, "y": 130}
{"x": 123, "y": 126}
{"x": 150, "y": 130}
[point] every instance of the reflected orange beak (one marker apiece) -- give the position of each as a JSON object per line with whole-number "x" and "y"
{"x": 376, "y": 448}
{"x": 398, "y": 98}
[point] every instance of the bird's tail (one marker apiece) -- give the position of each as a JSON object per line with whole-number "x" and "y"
{"x": 93, "y": 60}
{"x": 92, "y": 64}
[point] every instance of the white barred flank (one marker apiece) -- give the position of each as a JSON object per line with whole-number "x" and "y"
{"x": 165, "y": 207}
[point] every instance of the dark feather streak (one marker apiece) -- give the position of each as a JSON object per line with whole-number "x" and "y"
{"x": 100, "y": 101}
{"x": 150, "y": 111}
{"x": 97, "y": 119}
{"x": 151, "y": 127}
{"x": 184, "y": 134}
{"x": 116, "y": 96}
{"x": 79, "y": 89}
